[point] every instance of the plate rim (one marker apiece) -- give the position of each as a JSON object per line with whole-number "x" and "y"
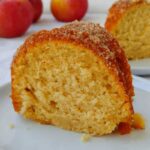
{"x": 139, "y": 70}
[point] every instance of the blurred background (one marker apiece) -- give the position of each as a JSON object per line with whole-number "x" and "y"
{"x": 97, "y": 12}
{"x": 11, "y": 39}
{"x": 94, "y": 5}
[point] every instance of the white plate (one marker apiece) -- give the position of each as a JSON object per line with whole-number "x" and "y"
{"x": 28, "y": 135}
{"x": 140, "y": 67}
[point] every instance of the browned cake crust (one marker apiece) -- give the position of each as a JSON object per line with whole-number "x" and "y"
{"x": 117, "y": 10}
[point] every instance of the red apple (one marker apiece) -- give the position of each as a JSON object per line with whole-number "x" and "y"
{"x": 15, "y": 17}
{"x": 69, "y": 10}
{"x": 37, "y": 8}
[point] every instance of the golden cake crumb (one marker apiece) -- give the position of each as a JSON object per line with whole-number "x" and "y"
{"x": 148, "y": 1}
{"x": 75, "y": 77}
{"x": 85, "y": 137}
{"x": 134, "y": 1}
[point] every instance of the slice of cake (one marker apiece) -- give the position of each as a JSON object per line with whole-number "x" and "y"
{"x": 75, "y": 77}
{"x": 129, "y": 22}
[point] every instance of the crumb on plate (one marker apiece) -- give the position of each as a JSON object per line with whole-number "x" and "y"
{"x": 11, "y": 126}
{"x": 138, "y": 121}
{"x": 85, "y": 137}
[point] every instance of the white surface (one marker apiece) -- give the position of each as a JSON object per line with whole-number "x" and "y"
{"x": 141, "y": 83}
{"x": 28, "y": 135}
{"x": 95, "y": 6}
{"x": 140, "y": 67}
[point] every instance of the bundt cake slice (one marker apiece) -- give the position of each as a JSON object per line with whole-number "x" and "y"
{"x": 129, "y": 22}
{"x": 75, "y": 77}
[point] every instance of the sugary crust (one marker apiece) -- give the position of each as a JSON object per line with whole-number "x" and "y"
{"x": 118, "y": 9}
{"x": 87, "y": 35}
